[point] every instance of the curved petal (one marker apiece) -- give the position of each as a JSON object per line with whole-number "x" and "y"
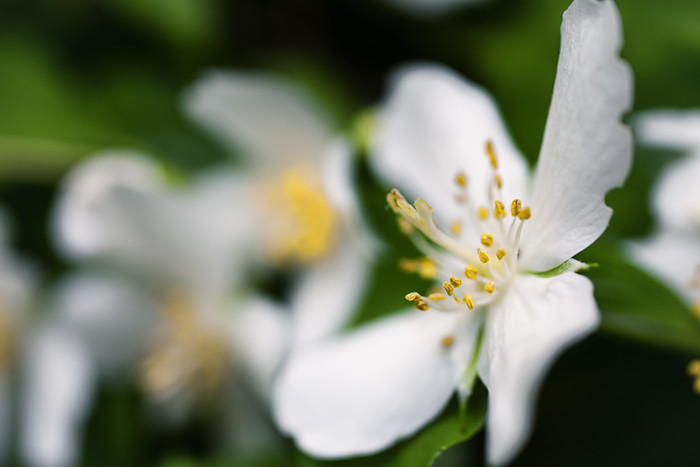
{"x": 676, "y": 196}
{"x": 525, "y": 331}
{"x": 586, "y": 150}
{"x": 435, "y": 125}
{"x": 673, "y": 258}
{"x": 363, "y": 391}
{"x": 668, "y": 128}
{"x": 328, "y": 293}
{"x": 266, "y": 116}
{"x": 57, "y": 392}
{"x": 259, "y": 333}
{"x": 113, "y": 316}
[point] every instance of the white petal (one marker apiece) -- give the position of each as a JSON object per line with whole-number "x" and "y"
{"x": 525, "y": 331}
{"x": 433, "y": 126}
{"x": 328, "y": 293}
{"x": 586, "y": 150}
{"x": 676, "y": 196}
{"x": 113, "y": 316}
{"x": 57, "y": 392}
{"x": 667, "y": 128}
{"x": 266, "y": 116}
{"x": 672, "y": 257}
{"x": 361, "y": 392}
{"x": 259, "y": 333}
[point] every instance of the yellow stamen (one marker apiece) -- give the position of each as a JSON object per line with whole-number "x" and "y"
{"x": 447, "y": 341}
{"x": 515, "y": 207}
{"x": 413, "y": 296}
{"x": 436, "y": 296}
{"x": 524, "y": 214}
{"x": 486, "y": 239}
{"x": 492, "y": 154}
{"x": 483, "y": 213}
{"x": 500, "y": 253}
{"x": 490, "y": 287}
{"x": 500, "y": 209}
{"x": 424, "y": 267}
{"x": 461, "y": 179}
{"x": 696, "y": 310}
{"x": 449, "y": 288}
{"x": 455, "y": 282}
{"x": 467, "y": 299}
{"x": 456, "y": 227}
{"x": 421, "y": 305}
{"x": 694, "y": 368}
{"x": 483, "y": 257}
{"x": 405, "y": 226}
{"x": 471, "y": 272}
{"x": 499, "y": 181}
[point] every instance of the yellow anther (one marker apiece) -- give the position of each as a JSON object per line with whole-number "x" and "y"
{"x": 461, "y": 198}
{"x": 455, "y": 282}
{"x": 524, "y": 214}
{"x": 413, "y": 296}
{"x": 449, "y": 288}
{"x": 500, "y": 209}
{"x": 499, "y": 181}
{"x": 447, "y": 341}
{"x": 436, "y": 296}
{"x": 492, "y": 154}
{"x": 483, "y": 213}
{"x": 467, "y": 299}
{"x": 456, "y": 227}
{"x": 421, "y": 305}
{"x": 471, "y": 272}
{"x": 461, "y": 179}
{"x": 500, "y": 253}
{"x": 486, "y": 239}
{"x": 405, "y": 226}
{"x": 490, "y": 287}
{"x": 694, "y": 368}
{"x": 427, "y": 268}
{"x": 516, "y": 207}
{"x": 696, "y": 310}
{"x": 483, "y": 257}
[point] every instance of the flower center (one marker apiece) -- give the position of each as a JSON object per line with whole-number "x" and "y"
{"x": 300, "y": 223}
{"x": 476, "y": 257}
{"x": 188, "y": 360}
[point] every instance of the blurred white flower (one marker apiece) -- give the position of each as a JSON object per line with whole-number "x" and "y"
{"x": 672, "y": 253}
{"x": 44, "y": 372}
{"x": 298, "y": 177}
{"x": 510, "y": 301}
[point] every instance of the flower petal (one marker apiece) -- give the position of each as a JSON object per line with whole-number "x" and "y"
{"x": 363, "y": 391}
{"x": 435, "y": 125}
{"x": 668, "y": 128}
{"x": 57, "y": 392}
{"x": 259, "y": 334}
{"x": 535, "y": 320}
{"x": 266, "y": 116}
{"x": 672, "y": 257}
{"x": 676, "y": 196}
{"x": 586, "y": 150}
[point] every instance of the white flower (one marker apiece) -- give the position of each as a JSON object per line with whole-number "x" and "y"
{"x": 298, "y": 173}
{"x": 441, "y": 140}
{"x": 49, "y": 398}
{"x": 672, "y": 253}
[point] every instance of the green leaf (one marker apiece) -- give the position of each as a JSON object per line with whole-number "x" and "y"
{"x": 426, "y": 446}
{"x": 638, "y": 306}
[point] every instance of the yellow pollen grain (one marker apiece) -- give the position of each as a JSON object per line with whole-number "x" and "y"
{"x": 455, "y": 282}
{"x": 467, "y": 299}
{"x": 456, "y": 227}
{"x": 499, "y": 210}
{"x": 421, "y": 305}
{"x": 490, "y": 287}
{"x": 492, "y": 154}
{"x": 412, "y": 297}
{"x": 500, "y": 253}
{"x": 449, "y": 288}
{"x": 483, "y": 257}
{"x": 470, "y": 271}
{"x": 483, "y": 213}
{"x": 516, "y": 207}
{"x": 447, "y": 341}
{"x": 498, "y": 180}
{"x": 486, "y": 239}
{"x": 524, "y": 214}
{"x": 461, "y": 179}
{"x": 436, "y": 296}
